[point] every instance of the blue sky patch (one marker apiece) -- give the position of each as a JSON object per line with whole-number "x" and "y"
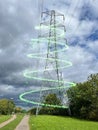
{"x": 93, "y": 36}
{"x": 87, "y": 13}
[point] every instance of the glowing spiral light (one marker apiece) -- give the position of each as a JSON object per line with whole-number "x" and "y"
{"x": 30, "y": 74}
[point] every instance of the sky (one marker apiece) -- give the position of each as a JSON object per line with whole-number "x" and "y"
{"x": 18, "y": 19}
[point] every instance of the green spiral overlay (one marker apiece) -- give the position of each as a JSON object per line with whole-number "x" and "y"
{"x": 30, "y": 74}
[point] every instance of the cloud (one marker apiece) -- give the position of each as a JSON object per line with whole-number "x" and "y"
{"x": 84, "y": 63}
{"x": 17, "y": 27}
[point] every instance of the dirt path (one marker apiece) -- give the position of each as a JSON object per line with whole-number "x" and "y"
{"x": 8, "y": 121}
{"x": 23, "y": 125}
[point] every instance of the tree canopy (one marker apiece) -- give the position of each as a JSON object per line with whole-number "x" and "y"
{"x": 51, "y": 99}
{"x": 84, "y": 98}
{"x": 6, "y": 106}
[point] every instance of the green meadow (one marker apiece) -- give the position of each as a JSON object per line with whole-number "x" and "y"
{"x": 60, "y": 123}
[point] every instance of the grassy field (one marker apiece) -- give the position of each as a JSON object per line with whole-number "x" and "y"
{"x": 4, "y": 118}
{"x": 60, "y": 123}
{"x": 13, "y": 124}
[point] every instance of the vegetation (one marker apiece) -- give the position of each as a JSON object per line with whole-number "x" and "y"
{"x": 6, "y": 106}
{"x": 4, "y": 118}
{"x": 32, "y": 111}
{"x": 83, "y": 104}
{"x": 60, "y": 123}
{"x": 13, "y": 124}
{"x": 84, "y": 99}
{"x": 19, "y": 110}
{"x": 51, "y": 99}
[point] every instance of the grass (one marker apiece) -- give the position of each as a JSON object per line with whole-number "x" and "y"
{"x": 12, "y": 125}
{"x": 4, "y": 118}
{"x": 60, "y": 123}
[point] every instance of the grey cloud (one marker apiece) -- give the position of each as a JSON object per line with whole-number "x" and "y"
{"x": 17, "y": 21}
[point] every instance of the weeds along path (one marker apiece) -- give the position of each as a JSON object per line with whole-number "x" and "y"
{"x": 8, "y": 121}
{"x": 23, "y": 125}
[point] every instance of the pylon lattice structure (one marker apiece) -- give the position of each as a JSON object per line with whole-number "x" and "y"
{"x": 52, "y": 64}
{"x": 52, "y": 39}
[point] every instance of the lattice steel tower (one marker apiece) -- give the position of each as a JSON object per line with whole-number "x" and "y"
{"x": 54, "y": 34}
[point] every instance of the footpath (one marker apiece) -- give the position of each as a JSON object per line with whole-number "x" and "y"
{"x": 23, "y": 125}
{"x": 8, "y": 121}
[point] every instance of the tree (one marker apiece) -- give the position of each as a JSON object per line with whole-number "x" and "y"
{"x": 84, "y": 98}
{"x": 51, "y": 99}
{"x": 32, "y": 111}
{"x": 6, "y": 106}
{"x": 18, "y": 109}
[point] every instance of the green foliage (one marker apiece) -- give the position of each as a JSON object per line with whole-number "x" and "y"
{"x": 84, "y": 98}
{"x": 51, "y": 99}
{"x": 18, "y": 109}
{"x": 6, "y": 106}
{"x": 4, "y": 118}
{"x": 60, "y": 123}
{"x": 32, "y": 111}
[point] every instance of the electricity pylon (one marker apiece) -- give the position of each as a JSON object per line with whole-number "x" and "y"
{"x": 53, "y": 23}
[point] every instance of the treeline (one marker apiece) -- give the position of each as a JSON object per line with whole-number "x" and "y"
{"x": 8, "y": 107}
{"x": 83, "y": 101}
{"x": 53, "y": 100}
